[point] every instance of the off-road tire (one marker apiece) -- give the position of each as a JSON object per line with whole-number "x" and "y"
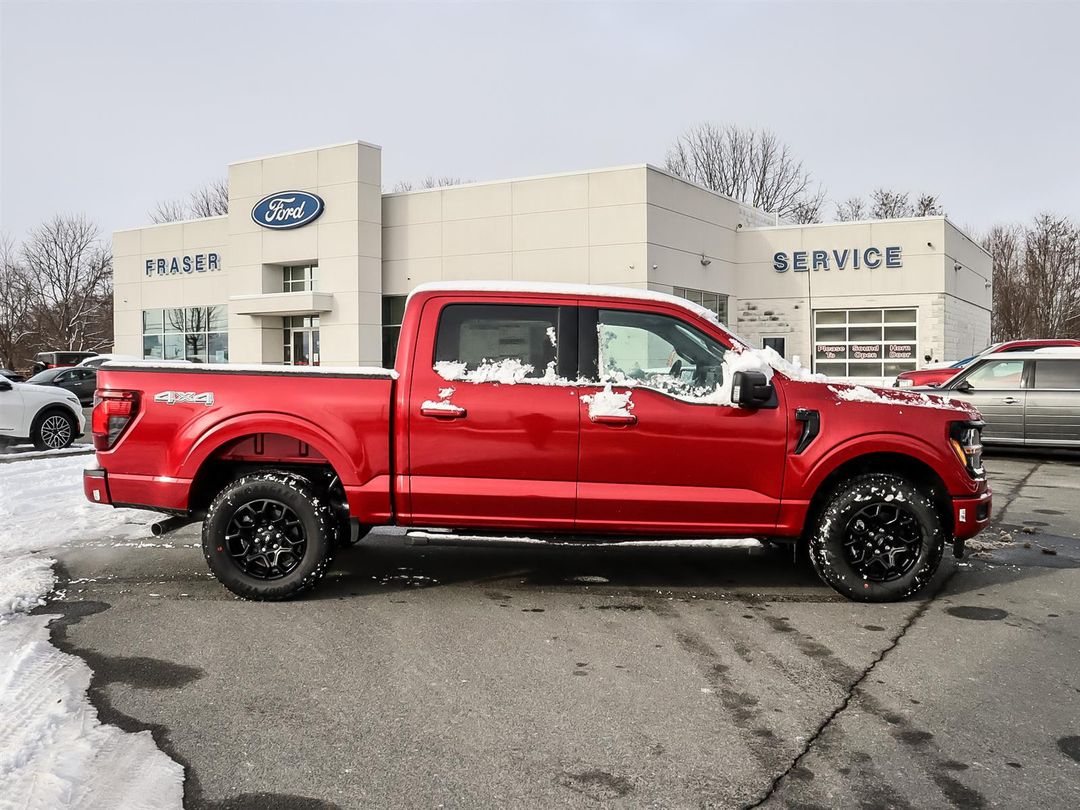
{"x": 827, "y": 537}
{"x": 46, "y": 427}
{"x": 306, "y": 502}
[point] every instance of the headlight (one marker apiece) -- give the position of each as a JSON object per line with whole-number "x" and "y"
{"x": 965, "y": 438}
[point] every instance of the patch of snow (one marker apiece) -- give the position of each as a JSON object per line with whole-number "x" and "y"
{"x": 54, "y": 752}
{"x": 301, "y": 371}
{"x": 899, "y": 397}
{"x": 608, "y": 403}
{"x": 440, "y": 405}
{"x": 510, "y": 371}
{"x": 446, "y": 393}
{"x": 551, "y": 334}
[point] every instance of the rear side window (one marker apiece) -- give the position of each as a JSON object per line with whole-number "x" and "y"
{"x": 518, "y": 336}
{"x": 1051, "y": 374}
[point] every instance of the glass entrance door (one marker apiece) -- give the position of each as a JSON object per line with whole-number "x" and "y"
{"x": 302, "y": 341}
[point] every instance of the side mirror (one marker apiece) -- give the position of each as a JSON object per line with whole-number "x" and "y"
{"x": 751, "y": 389}
{"x": 964, "y": 387}
{"x": 5, "y": 385}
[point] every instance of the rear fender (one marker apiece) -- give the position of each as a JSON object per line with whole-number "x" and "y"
{"x": 209, "y": 443}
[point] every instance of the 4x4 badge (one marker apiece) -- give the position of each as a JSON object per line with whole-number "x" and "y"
{"x": 173, "y": 397}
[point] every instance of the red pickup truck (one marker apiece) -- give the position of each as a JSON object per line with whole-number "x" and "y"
{"x": 543, "y": 411}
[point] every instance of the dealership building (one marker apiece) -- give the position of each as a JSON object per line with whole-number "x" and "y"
{"x": 313, "y": 263}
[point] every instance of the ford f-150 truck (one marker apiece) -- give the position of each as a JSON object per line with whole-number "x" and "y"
{"x": 542, "y": 411}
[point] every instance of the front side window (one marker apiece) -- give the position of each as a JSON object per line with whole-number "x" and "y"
{"x": 1057, "y": 375}
{"x": 997, "y": 375}
{"x": 487, "y": 341}
{"x": 658, "y": 351}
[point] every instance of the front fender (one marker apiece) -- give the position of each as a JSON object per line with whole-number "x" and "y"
{"x": 936, "y": 457}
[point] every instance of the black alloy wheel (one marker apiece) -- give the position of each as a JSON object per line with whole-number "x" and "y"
{"x": 883, "y": 541}
{"x": 269, "y": 535}
{"x": 877, "y": 538}
{"x": 266, "y": 539}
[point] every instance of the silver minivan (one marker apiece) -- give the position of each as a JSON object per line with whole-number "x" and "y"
{"x": 1027, "y": 398}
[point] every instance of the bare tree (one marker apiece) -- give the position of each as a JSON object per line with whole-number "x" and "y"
{"x": 851, "y": 210}
{"x": 1036, "y": 278}
{"x": 430, "y": 182}
{"x": 69, "y": 274}
{"x": 16, "y": 321}
{"x": 1010, "y": 313}
{"x": 750, "y": 165}
{"x": 169, "y": 211}
{"x": 1052, "y": 270}
{"x": 888, "y": 203}
{"x": 209, "y": 200}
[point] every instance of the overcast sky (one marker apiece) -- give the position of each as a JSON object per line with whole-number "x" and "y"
{"x": 109, "y": 107}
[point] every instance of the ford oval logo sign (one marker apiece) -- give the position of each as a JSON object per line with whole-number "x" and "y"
{"x": 287, "y": 209}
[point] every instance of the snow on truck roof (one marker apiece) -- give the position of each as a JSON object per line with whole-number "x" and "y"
{"x": 583, "y": 290}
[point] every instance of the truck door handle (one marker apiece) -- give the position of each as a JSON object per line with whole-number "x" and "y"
{"x": 614, "y": 419}
{"x": 1011, "y": 401}
{"x": 442, "y": 410}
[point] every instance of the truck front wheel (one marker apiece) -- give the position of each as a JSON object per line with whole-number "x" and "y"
{"x": 269, "y": 536}
{"x": 878, "y": 539}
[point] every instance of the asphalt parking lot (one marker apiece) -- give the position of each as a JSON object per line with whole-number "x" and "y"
{"x": 439, "y": 677}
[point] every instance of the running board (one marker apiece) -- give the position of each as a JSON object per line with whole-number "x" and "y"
{"x": 446, "y": 537}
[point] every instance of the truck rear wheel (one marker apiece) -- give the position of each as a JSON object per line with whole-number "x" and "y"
{"x": 269, "y": 536}
{"x": 878, "y": 539}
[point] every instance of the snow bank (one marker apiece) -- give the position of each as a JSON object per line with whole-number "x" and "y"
{"x": 53, "y": 750}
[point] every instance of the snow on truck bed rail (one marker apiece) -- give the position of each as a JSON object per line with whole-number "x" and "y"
{"x": 252, "y": 368}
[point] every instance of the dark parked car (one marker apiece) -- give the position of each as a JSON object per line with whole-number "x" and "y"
{"x": 8, "y": 374}
{"x": 1027, "y": 398}
{"x": 46, "y": 360}
{"x": 80, "y": 381}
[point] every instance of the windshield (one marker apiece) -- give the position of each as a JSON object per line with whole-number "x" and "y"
{"x": 43, "y": 376}
{"x": 964, "y": 362}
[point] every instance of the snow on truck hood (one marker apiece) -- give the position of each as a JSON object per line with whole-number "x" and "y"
{"x": 847, "y": 392}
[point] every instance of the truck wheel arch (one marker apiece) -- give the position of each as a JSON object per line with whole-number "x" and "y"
{"x": 211, "y": 447}
{"x": 920, "y": 472}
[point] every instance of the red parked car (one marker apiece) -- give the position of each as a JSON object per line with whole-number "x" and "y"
{"x": 937, "y": 376}
{"x": 539, "y": 411}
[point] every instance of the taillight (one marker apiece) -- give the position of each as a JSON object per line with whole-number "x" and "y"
{"x": 113, "y": 412}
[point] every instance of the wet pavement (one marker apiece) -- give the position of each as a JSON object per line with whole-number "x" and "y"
{"x": 446, "y": 677}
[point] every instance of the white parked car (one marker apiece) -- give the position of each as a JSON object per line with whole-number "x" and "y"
{"x": 48, "y": 416}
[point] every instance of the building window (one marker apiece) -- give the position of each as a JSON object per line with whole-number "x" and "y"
{"x": 717, "y": 302}
{"x": 865, "y": 342}
{"x": 393, "y": 310}
{"x": 301, "y": 340}
{"x": 777, "y": 344}
{"x": 200, "y": 334}
{"x": 300, "y": 277}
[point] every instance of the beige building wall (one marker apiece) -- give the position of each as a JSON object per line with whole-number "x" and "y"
{"x": 949, "y": 302}
{"x": 579, "y": 228}
{"x": 344, "y": 241}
